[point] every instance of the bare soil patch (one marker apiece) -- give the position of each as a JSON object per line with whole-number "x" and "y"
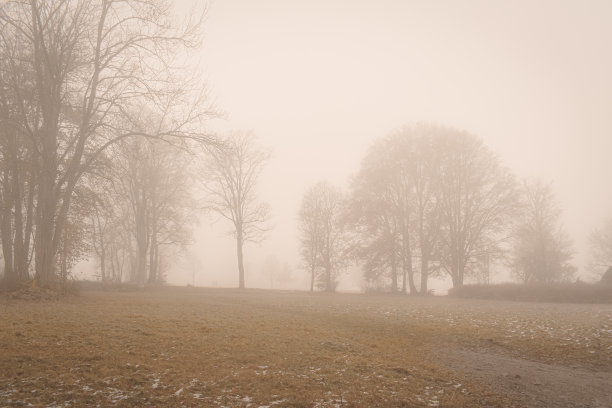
{"x": 204, "y": 347}
{"x": 536, "y": 384}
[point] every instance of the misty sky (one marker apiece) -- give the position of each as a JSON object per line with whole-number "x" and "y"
{"x": 319, "y": 81}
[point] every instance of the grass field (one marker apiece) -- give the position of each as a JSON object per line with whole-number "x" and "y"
{"x": 204, "y": 347}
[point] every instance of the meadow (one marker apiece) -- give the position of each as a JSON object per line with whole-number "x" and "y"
{"x": 170, "y": 346}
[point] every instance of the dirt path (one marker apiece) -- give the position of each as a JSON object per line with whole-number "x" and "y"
{"x": 535, "y": 384}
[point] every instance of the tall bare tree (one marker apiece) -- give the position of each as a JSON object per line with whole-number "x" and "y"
{"x": 310, "y": 229}
{"x": 600, "y": 243}
{"x": 146, "y": 203}
{"x": 478, "y": 200}
{"x": 230, "y": 177}
{"x": 378, "y": 213}
{"x": 396, "y": 206}
{"x": 541, "y": 250}
{"x": 18, "y": 174}
{"x": 428, "y": 197}
{"x": 323, "y": 239}
{"x": 90, "y": 62}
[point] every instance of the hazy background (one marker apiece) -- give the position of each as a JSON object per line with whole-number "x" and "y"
{"x": 319, "y": 81}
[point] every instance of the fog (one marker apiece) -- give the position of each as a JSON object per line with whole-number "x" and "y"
{"x": 319, "y": 82}
{"x": 305, "y": 203}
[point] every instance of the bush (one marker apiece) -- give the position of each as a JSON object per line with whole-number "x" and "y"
{"x": 578, "y": 292}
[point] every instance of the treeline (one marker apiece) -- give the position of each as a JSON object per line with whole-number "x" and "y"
{"x": 97, "y": 125}
{"x": 429, "y": 201}
{"x": 102, "y": 148}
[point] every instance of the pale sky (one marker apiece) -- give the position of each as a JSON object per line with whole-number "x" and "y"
{"x": 319, "y": 81}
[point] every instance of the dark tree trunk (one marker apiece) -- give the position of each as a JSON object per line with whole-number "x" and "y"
{"x": 312, "y": 277}
{"x": 393, "y": 270}
{"x": 10, "y": 277}
{"x": 153, "y": 275}
{"x": 424, "y": 274}
{"x": 142, "y": 238}
{"x": 329, "y": 285}
{"x": 410, "y": 272}
{"x": 240, "y": 260}
{"x": 457, "y": 279}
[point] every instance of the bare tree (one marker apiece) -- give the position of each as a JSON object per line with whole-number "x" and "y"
{"x": 396, "y": 206}
{"x": 323, "y": 240}
{"x": 18, "y": 174}
{"x": 89, "y": 62}
{"x": 432, "y": 194}
{"x": 600, "y": 243}
{"x": 230, "y": 180}
{"x": 428, "y": 197}
{"x": 149, "y": 199}
{"x": 478, "y": 200}
{"x": 310, "y": 234}
{"x": 278, "y": 273}
{"x": 541, "y": 250}
{"x": 376, "y": 213}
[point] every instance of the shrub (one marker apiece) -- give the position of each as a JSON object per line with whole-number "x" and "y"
{"x": 578, "y": 292}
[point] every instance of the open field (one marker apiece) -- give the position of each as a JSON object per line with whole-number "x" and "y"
{"x": 205, "y": 347}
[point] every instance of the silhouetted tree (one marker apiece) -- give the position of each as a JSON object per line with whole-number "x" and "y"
{"x": 279, "y": 274}
{"x": 323, "y": 239}
{"x": 146, "y": 206}
{"x": 230, "y": 179}
{"x": 310, "y": 229}
{"x": 600, "y": 243}
{"x": 541, "y": 250}
{"x": 379, "y": 211}
{"x": 477, "y": 203}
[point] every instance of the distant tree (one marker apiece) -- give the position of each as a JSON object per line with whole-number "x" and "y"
{"x": 431, "y": 194}
{"x": 606, "y": 278}
{"x": 379, "y": 212}
{"x": 311, "y": 235}
{"x": 279, "y": 274}
{"x": 142, "y": 208}
{"x": 230, "y": 179}
{"x": 600, "y": 243}
{"x": 541, "y": 250}
{"x": 423, "y": 159}
{"x": 323, "y": 239}
{"x": 477, "y": 203}
{"x": 153, "y": 184}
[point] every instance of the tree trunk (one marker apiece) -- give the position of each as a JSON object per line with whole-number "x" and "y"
{"x": 28, "y": 227}
{"x": 102, "y": 262}
{"x": 142, "y": 237}
{"x": 312, "y": 277}
{"x": 240, "y": 260}
{"x": 64, "y": 258}
{"x": 424, "y": 274}
{"x": 393, "y": 271}
{"x": 45, "y": 256}
{"x": 457, "y": 279}
{"x": 404, "y": 280}
{"x": 410, "y": 272}
{"x": 6, "y": 227}
{"x": 153, "y": 278}
{"x": 20, "y": 260}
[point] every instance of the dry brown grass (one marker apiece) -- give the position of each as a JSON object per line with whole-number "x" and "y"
{"x": 204, "y": 347}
